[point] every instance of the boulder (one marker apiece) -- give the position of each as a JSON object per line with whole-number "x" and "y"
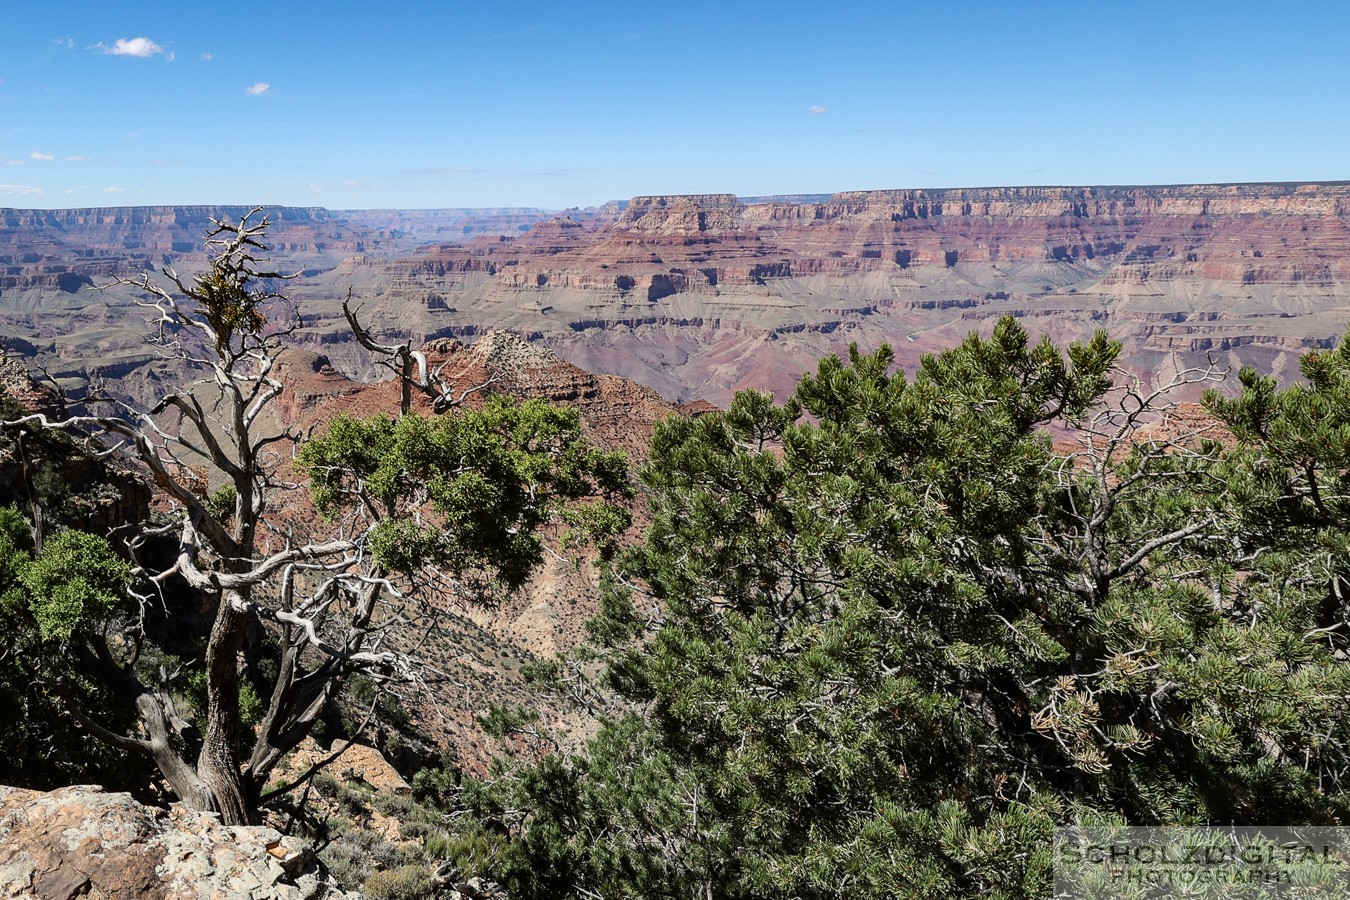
{"x": 84, "y": 842}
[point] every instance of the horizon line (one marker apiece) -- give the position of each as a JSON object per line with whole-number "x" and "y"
{"x": 755, "y": 199}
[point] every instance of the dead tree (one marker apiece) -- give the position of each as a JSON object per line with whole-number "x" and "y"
{"x": 1138, "y": 443}
{"x": 245, "y": 568}
{"x": 411, "y": 369}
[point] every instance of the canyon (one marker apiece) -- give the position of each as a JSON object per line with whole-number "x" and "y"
{"x": 665, "y": 305}
{"x": 699, "y": 296}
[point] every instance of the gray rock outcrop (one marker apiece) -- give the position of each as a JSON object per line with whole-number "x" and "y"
{"x": 84, "y": 842}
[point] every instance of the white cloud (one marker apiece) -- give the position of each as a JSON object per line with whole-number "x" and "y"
{"x": 38, "y": 155}
{"x": 140, "y": 47}
{"x": 16, "y": 162}
{"x": 75, "y": 158}
{"x": 207, "y": 57}
{"x": 19, "y": 190}
{"x": 817, "y": 109}
{"x": 255, "y": 90}
{"x": 113, "y": 190}
{"x": 170, "y": 56}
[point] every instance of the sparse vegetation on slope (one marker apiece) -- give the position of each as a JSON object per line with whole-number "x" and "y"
{"x": 280, "y": 612}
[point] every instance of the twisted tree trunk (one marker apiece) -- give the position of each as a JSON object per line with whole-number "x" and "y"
{"x": 218, "y": 763}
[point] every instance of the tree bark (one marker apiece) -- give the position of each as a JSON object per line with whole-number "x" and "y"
{"x": 184, "y": 780}
{"x": 218, "y": 764}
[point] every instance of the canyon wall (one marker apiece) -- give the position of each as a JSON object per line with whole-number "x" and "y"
{"x": 700, "y": 295}
{"x": 697, "y": 296}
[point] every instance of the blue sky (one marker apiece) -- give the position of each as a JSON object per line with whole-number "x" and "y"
{"x": 559, "y": 104}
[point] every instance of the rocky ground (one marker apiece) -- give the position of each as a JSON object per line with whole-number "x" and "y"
{"x": 83, "y": 842}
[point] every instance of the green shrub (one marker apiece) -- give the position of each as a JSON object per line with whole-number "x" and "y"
{"x": 352, "y": 802}
{"x": 439, "y": 846}
{"x": 393, "y": 805}
{"x": 403, "y": 883}
{"x": 419, "y": 812}
{"x": 344, "y": 870}
{"x": 411, "y": 829}
{"x": 471, "y": 851}
{"x": 356, "y": 853}
{"x": 412, "y": 854}
{"x": 74, "y": 585}
{"x": 326, "y": 785}
{"x": 378, "y": 850}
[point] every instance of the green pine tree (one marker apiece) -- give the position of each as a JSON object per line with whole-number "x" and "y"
{"x": 903, "y": 634}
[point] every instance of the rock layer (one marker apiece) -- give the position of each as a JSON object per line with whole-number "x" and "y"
{"x": 699, "y": 295}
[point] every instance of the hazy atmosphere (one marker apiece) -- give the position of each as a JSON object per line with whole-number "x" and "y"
{"x": 562, "y": 104}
